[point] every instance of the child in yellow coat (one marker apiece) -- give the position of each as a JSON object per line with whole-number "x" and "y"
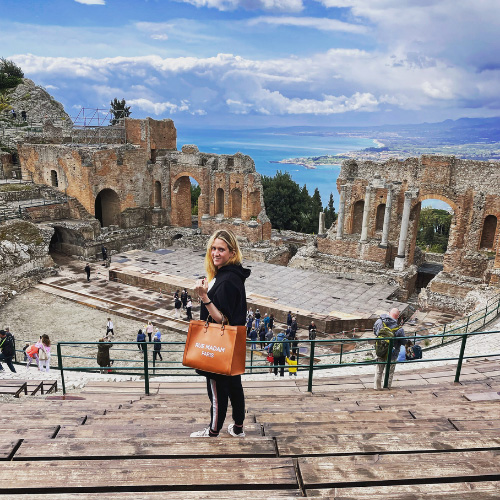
{"x": 292, "y": 368}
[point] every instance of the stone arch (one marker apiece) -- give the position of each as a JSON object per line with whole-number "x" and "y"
{"x": 357, "y": 216}
{"x": 107, "y": 208}
{"x": 434, "y": 196}
{"x": 53, "y": 178}
{"x": 236, "y": 202}
{"x": 379, "y": 219}
{"x": 488, "y": 232}
{"x": 181, "y": 198}
{"x": 254, "y": 203}
{"x": 219, "y": 201}
{"x": 157, "y": 194}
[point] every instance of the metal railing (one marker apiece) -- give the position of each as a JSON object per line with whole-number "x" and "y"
{"x": 146, "y": 367}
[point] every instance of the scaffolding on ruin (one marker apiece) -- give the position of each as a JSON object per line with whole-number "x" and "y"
{"x": 98, "y": 126}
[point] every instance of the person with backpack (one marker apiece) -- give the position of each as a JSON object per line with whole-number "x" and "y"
{"x": 280, "y": 349}
{"x": 413, "y": 351}
{"x": 7, "y": 350}
{"x": 387, "y": 327}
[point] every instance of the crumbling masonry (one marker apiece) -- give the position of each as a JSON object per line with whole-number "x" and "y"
{"x": 146, "y": 182}
{"x": 379, "y": 211}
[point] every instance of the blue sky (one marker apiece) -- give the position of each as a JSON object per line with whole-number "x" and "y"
{"x": 261, "y": 63}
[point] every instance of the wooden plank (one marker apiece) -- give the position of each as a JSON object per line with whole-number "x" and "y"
{"x": 349, "y": 444}
{"x": 483, "y": 396}
{"x": 438, "y": 491}
{"x": 13, "y": 388}
{"x": 320, "y": 472}
{"x": 333, "y": 417}
{"x": 7, "y": 447}
{"x": 320, "y": 428}
{"x": 24, "y": 431}
{"x": 178, "y": 430}
{"x": 95, "y": 448}
{"x": 168, "y": 495}
{"x": 105, "y": 475}
{"x": 474, "y": 425}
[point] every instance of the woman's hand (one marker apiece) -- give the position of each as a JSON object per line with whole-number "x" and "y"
{"x": 201, "y": 288}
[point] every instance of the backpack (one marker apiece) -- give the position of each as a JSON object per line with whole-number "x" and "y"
{"x": 382, "y": 346}
{"x": 278, "y": 348}
{"x": 416, "y": 352}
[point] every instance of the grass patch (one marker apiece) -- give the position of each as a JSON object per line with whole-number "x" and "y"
{"x": 11, "y": 188}
{"x": 21, "y": 231}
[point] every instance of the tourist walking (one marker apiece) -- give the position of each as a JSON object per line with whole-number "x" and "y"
{"x": 109, "y": 328}
{"x": 265, "y": 321}
{"x": 289, "y": 318}
{"x": 7, "y": 350}
{"x": 184, "y": 296}
{"x": 149, "y": 330}
{"x": 104, "y": 252}
{"x": 189, "y": 307}
{"x": 257, "y": 319}
{"x": 312, "y": 331}
{"x": 156, "y": 349}
{"x": 253, "y": 338}
{"x": 141, "y": 339}
{"x": 103, "y": 359}
{"x": 280, "y": 349}
{"x": 177, "y": 307}
{"x": 385, "y": 327}
{"x": 292, "y": 366}
{"x": 44, "y": 353}
{"x": 87, "y": 271}
{"x": 222, "y": 294}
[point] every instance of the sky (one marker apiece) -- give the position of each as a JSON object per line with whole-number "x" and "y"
{"x": 263, "y": 63}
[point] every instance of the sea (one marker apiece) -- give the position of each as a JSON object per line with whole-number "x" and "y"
{"x": 268, "y": 146}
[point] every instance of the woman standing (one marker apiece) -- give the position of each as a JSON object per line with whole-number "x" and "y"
{"x": 223, "y": 297}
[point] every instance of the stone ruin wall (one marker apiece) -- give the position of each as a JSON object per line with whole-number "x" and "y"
{"x": 146, "y": 183}
{"x": 471, "y": 188}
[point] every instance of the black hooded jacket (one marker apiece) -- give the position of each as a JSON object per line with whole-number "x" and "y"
{"x": 228, "y": 294}
{"x": 7, "y": 345}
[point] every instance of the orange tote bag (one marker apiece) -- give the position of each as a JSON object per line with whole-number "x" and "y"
{"x": 215, "y": 348}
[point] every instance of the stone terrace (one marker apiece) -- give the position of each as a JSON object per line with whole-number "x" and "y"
{"x": 294, "y": 289}
{"x": 438, "y": 442}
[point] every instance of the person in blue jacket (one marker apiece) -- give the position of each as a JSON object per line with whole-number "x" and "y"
{"x": 280, "y": 353}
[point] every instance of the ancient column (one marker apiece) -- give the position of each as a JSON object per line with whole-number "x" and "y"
{"x": 321, "y": 228}
{"x": 399, "y": 261}
{"x": 340, "y": 217}
{"x": 366, "y": 213}
{"x": 387, "y": 217}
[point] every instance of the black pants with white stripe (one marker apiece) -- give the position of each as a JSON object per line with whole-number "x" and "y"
{"x": 220, "y": 389}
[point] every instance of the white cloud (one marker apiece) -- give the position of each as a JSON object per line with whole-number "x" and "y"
{"x": 159, "y": 36}
{"x": 91, "y": 2}
{"x": 273, "y": 5}
{"x": 317, "y": 23}
{"x": 159, "y": 108}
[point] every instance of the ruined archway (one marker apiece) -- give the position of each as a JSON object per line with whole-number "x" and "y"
{"x": 182, "y": 202}
{"x": 357, "y": 216}
{"x": 157, "y": 194}
{"x": 107, "y": 208}
{"x": 219, "y": 201}
{"x": 488, "y": 233}
{"x": 236, "y": 201}
{"x": 379, "y": 220}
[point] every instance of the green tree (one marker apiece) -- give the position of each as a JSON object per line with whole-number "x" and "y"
{"x": 4, "y": 103}
{"x": 11, "y": 75}
{"x": 330, "y": 215}
{"x": 119, "y": 110}
{"x": 434, "y": 229}
{"x": 195, "y": 193}
{"x": 316, "y": 208}
{"x": 283, "y": 200}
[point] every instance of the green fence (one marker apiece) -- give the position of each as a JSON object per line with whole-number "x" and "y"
{"x": 146, "y": 366}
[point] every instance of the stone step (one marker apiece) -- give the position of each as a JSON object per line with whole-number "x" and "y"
{"x": 113, "y": 307}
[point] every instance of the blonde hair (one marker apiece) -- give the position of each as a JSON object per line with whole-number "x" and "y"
{"x": 232, "y": 244}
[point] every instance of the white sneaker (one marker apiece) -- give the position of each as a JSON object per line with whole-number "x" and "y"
{"x": 204, "y": 433}
{"x": 230, "y": 430}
